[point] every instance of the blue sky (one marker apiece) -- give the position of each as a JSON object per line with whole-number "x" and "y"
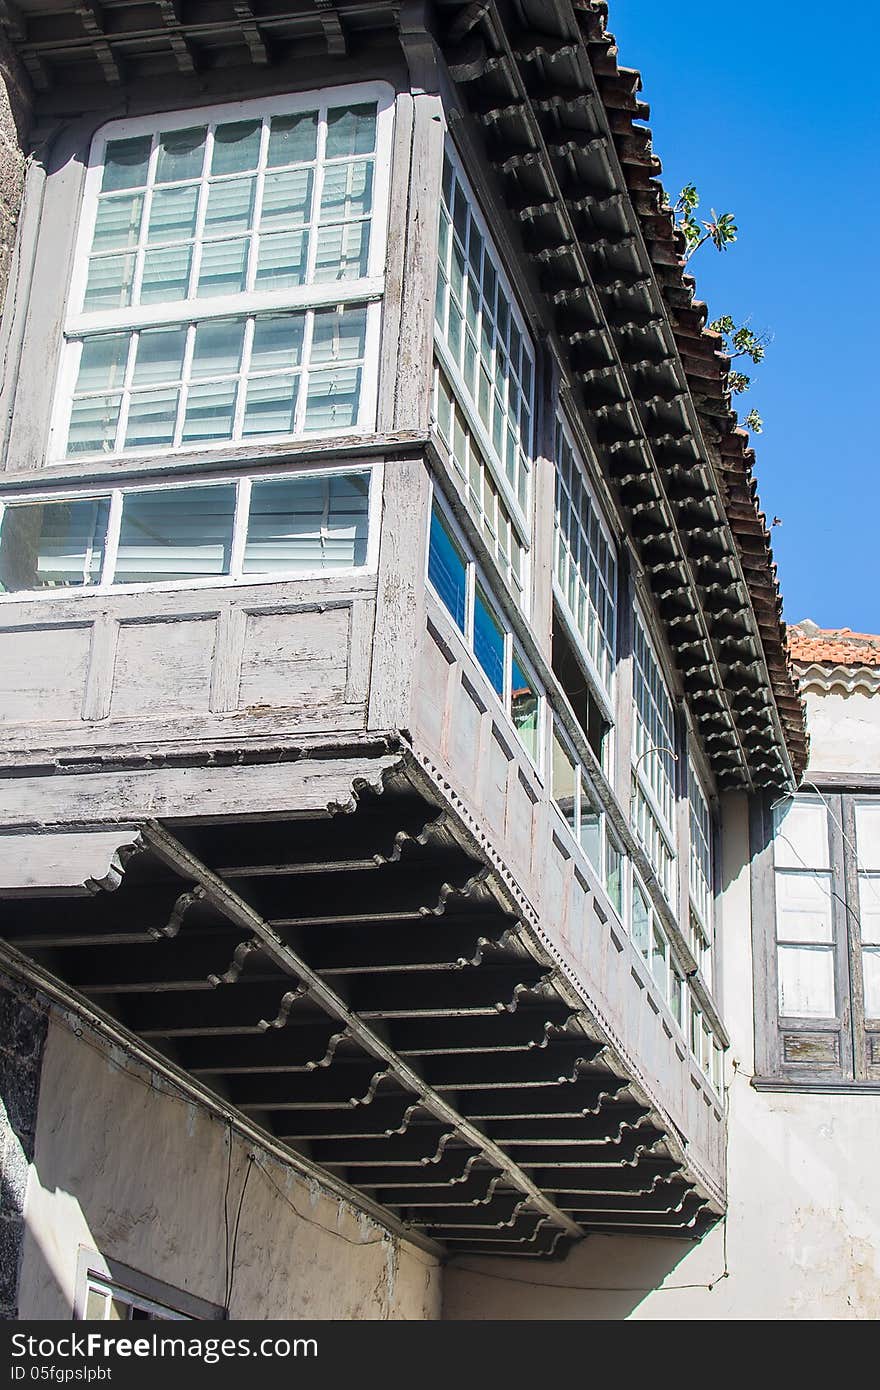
{"x": 769, "y": 109}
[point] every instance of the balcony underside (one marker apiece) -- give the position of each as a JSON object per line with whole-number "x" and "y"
{"x": 356, "y": 986}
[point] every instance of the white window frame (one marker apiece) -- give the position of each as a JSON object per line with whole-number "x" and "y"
{"x": 520, "y": 515}
{"x": 136, "y": 1290}
{"x": 236, "y": 578}
{"x": 665, "y": 825}
{"x": 603, "y": 693}
{"x": 475, "y": 578}
{"x": 367, "y": 290}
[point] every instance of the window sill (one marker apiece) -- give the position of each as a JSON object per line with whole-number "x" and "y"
{"x": 817, "y": 1087}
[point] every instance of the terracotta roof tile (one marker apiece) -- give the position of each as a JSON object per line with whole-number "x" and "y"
{"x": 836, "y": 646}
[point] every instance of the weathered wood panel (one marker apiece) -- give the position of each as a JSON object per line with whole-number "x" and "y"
{"x": 43, "y": 672}
{"x": 163, "y": 666}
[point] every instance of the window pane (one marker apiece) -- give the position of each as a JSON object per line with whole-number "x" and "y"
{"x": 210, "y": 410}
{"x": 339, "y": 334}
{"x": 488, "y": 643}
{"x": 801, "y": 831}
{"x": 44, "y": 545}
{"x": 159, "y": 356}
{"x": 236, "y": 147}
{"x": 614, "y": 875}
{"x": 151, "y": 419}
{"x": 869, "y": 907}
{"x": 217, "y": 350}
{"x": 333, "y": 399}
{"x": 125, "y": 163}
{"x": 524, "y": 708}
{"x": 230, "y": 207}
{"x": 283, "y": 260}
{"x": 342, "y": 252}
{"x": 278, "y": 340}
{"x": 93, "y": 422}
{"x": 641, "y": 922}
{"x": 806, "y": 981}
{"x": 351, "y": 130}
{"x": 178, "y": 533}
{"x": 803, "y": 906}
{"x": 109, "y": 283}
{"x": 447, "y": 570}
{"x": 287, "y": 198}
{"x": 271, "y": 404}
{"x": 660, "y": 959}
{"x": 173, "y": 214}
{"x": 224, "y": 268}
{"x": 293, "y": 139}
{"x": 591, "y": 826}
{"x": 118, "y": 223}
{"x": 102, "y": 362}
{"x": 307, "y": 523}
{"x": 166, "y": 274}
{"x": 347, "y": 191}
{"x": 871, "y": 976}
{"x": 181, "y": 154}
{"x": 564, "y": 783}
{"x": 868, "y": 834}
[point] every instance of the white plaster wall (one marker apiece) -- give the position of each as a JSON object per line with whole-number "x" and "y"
{"x": 802, "y": 1237}
{"x": 844, "y": 731}
{"x": 137, "y": 1174}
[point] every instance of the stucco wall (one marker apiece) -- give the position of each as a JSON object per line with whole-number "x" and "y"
{"x": 138, "y": 1174}
{"x": 844, "y": 731}
{"x": 802, "y": 1235}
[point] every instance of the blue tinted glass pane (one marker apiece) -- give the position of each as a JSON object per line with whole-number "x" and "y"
{"x": 446, "y": 570}
{"x": 488, "y": 643}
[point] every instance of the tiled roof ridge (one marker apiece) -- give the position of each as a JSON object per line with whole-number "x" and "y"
{"x": 704, "y": 363}
{"x": 839, "y": 646}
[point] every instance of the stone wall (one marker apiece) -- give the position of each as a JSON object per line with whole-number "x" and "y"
{"x": 23, "y": 1023}
{"x": 14, "y": 119}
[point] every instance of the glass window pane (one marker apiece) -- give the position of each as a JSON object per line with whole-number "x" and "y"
{"x": 293, "y": 139}
{"x": 181, "y": 154}
{"x": 151, "y": 419}
{"x": 271, "y": 404}
{"x": 801, "y": 835}
{"x": 175, "y": 533}
{"x": 283, "y": 260}
{"x": 351, "y": 130}
{"x": 210, "y": 411}
{"x": 93, "y": 422}
{"x": 236, "y": 147}
{"x": 803, "y": 906}
{"x": 339, "y": 334}
{"x": 660, "y": 959}
{"x": 489, "y": 642}
{"x": 564, "y": 783}
{"x": 871, "y": 976}
{"x": 118, "y": 223}
{"x": 218, "y": 346}
{"x": 447, "y": 570}
{"x": 159, "y": 356}
{"x": 614, "y": 875}
{"x": 347, "y": 191}
{"x": 342, "y": 252}
{"x": 102, "y": 362}
{"x": 806, "y": 981}
{"x": 230, "y": 207}
{"x": 524, "y": 708}
{"x": 53, "y": 544}
{"x": 278, "y": 340}
{"x": 333, "y": 399}
{"x": 299, "y": 524}
{"x": 224, "y": 268}
{"x": 641, "y": 921}
{"x": 869, "y": 907}
{"x": 591, "y": 826}
{"x": 173, "y": 214}
{"x": 166, "y": 274}
{"x": 868, "y": 834}
{"x": 125, "y": 163}
{"x": 109, "y": 282}
{"x": 287, "y": 198}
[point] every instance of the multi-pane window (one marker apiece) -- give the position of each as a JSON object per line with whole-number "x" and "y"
{"x": 822, "y": 956}
{"x": 197, "y": 234}
{"x": 700, "y": 871}
{"x": 249, "y": 527}
{"x": 653, "y": 757}
{"x": 573, "y": 793}
{"x": 461, "y": 589}
{"x": 585, "y": 565}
